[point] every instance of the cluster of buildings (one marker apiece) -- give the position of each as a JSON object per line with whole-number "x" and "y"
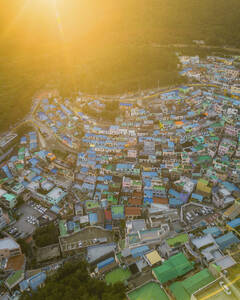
{"x": 152, "y": 199}
{"x": 222, "y": 71}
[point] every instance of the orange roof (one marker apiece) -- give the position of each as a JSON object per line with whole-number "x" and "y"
{"x": 179, "y": 123}
{"x": 137, "y": 194}
{"x": 135, "y": 201}
{"x": 133, "y": 211}
{"x": 15, "y": 263}
{"x": 158, "y": 200}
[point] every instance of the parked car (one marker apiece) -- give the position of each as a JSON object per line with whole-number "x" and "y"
{"x": 225, "y": 288}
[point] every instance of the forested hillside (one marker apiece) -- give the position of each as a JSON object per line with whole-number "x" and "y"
{"x": 72, "y": 281}
{"x": 101, "y": 46}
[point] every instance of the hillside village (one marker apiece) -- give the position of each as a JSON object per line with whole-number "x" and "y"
{"x": 150, "y": 199}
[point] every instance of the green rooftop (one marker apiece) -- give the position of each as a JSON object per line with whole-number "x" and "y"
{"x": 118, "y": 209}
{"x": 149, "y": 291}
{"x": 62, "y": 228}
{"x": 201, "y": 180}
{"x": 204, "y": 158}
{"x": 19, "y": 166}
{"x": 159, "y": 188}
{"x": 111, "y": 198}
{"x": 117, "y": 275}
{"x": 183, "y": 290}
{"x": 136, "y": 171}
{"x": 214, "y": 138}
{"x": 136, "y": 182}
{"x": 21, "y": 150}
{"x": 173, "y": 268}
{"x": 199, "y": 147}
{"x": 217, "y": 124}
{"x": 91, "y": 204}
{"x": 13, "y": 279}
{"x": 21, "y": 156}
{"x": 9, "y": 197}
{"x": 119, "y": 256}
{"x": 178, "y": 240}
{"x": 178, "y": 291}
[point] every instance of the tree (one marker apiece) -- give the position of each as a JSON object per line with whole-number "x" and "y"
{"x": 72, "y": 281}
{"x": 25, "y": 247}
{"x": 47, "y": 235}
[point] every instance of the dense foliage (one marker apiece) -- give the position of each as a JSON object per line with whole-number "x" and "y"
{"x": 46, "y": 235}
{"x": 101, "y": 46}
{"x": 72, "y": 281}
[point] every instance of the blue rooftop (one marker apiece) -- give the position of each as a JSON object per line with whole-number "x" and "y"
{"x": 105, "y": 262}
{"x": 214, "y": 231}
{"x": 93, "y": 218}
{"x": 139, "y": 251}
{"x": 227, "y": 240}
{"x": 234, "y": 223}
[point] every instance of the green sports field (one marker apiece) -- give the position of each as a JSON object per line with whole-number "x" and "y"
{"x": 149, "y": 291}
{"x": 117, "y": 275}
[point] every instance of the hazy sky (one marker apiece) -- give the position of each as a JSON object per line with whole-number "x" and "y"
{"x": 38, "y": 23}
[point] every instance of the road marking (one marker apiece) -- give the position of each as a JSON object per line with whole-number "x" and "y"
{"x": 221, "y": 289}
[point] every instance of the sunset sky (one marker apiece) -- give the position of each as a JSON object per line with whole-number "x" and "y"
{"x": 40, "y": 23}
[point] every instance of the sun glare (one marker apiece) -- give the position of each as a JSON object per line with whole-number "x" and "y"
{"x": 51, "y": 6}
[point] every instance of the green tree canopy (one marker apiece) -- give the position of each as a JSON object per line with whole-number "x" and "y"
{"x": 46, "y": 235}
{"x": 72, "y": 281}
